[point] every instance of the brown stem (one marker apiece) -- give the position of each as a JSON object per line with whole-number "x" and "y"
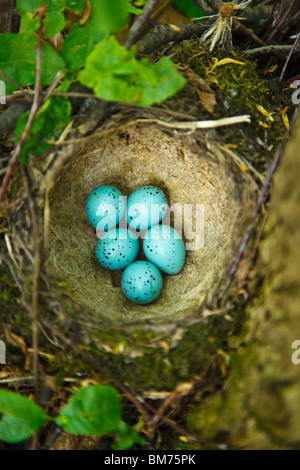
{"x": 34, "y": 108}
{"x": 248, "y": 32}
{"x": 139, "y": 22}
{"x": 36, "y": 278}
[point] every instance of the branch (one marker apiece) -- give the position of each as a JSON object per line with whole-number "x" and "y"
{"x": 139, "y": 22}
{"x": 275, "y": 49}
{"x": 248, "y": 32}
{"x": 162, "y": 34}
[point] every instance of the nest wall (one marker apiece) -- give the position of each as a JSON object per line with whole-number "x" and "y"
{"x": 189, "y": 171}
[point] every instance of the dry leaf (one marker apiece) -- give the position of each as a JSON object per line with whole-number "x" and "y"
{"x": 205, "y": 92}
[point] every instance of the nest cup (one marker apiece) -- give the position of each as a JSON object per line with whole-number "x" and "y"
{"x": 190, "y": 174}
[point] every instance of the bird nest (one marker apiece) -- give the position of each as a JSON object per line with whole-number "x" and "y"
{"x": 194, "y": 171}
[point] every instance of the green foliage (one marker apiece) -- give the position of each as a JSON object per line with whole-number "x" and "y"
{"x": 190, "y": 9}
{"x": 94, "y": 410}
{"x": 20, "y": 417}
{"x": 126, "y": 437}
{"x": 18, "y": 59}
{"x": 78, "y": 44}
{"x": 50, "y": 119}
{"x": 90, "y": 54}
{"x": 114, "y": 75}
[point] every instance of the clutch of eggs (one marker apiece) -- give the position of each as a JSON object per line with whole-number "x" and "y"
{"x": 118, "y": 248}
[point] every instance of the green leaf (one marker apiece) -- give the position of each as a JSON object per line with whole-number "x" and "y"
{"x": 54, "y": 23}
{"x": 115, "y": 75}
{"x": 32, "y": 5}
{"x": 78, "y": 44}
{"x": 18, "y": 60}
{"x": 49, "y": 120}
{"x": 107, "y": 17}
{"x": 77, "y": 6}
{"x": 126, "y": 437}
{"x": 188, "y": 8}
{"x": 20, "y": 417}
{"x": 94, "y": 410}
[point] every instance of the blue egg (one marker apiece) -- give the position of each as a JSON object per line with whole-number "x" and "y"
{"x": 105, "y": 207}
{"x": 146, "y": 206}
{"x": 141, "y": 282}
{"x": 117, "y": 248}
{"x": 164, "y": 247}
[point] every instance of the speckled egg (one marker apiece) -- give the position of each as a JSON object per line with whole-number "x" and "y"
{"x": 105, "y": 207}
{"x": 146, "y": 206}
{"x": 117, "y": 248}
{"x": 141, "y": 282}
{"x": 164, "y": 247}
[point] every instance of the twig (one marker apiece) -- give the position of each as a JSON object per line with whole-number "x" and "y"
{"x": 29, "y": 94}
{"x": 53, "y": 85}
{"x": 33, "y": 110}
{"x": 275, "y": 49}
{"x": 289, "y": 56}
{"x": 35, "y": 287}
{"x": 12, "y": 82}
{"x": 262, "y": 196}
{"x": 103, "y": 370}
{"x": 177, "y": 428}
{"x": 162, "y": 34}
{"x": 238, "y": 26}
{"x": 200, "y": 124}
{"x": 281, "y": 22}
{"x": 139, "y": 22}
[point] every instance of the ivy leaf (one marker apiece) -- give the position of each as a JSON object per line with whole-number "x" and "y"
{"x": 49, "y": 120}
{"x": 115, "y": 75}
{"x": 21, "y": 418}
{"x": 94, "y": 410}
{"x": 78, "y": 44}
{"x": 126, "y": 437}
{"x": 18, "y": 60}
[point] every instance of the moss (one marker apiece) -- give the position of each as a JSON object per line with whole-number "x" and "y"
{"x": 238, "y": 89}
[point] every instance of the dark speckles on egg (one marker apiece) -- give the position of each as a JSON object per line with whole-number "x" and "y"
{"x": 141, "y": 282}
{"x": 117, "y": 252}
{"x": 164, "y": 247}
{"x": 105, "y": 207}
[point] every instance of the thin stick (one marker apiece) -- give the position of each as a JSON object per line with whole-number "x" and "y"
{"x": 201, "y": 124}
{"x": 35, "y": 288}
{"x": 289, "y": 56}
{"x": 276, "y": 49}
{"x": 139, "y": 22}
{"x": 34, "y": 108}
{"x": 12, "y": 82}
{"x": 262, "y": 196}
{"x": 248, "y": 32}
{"x": 52, "y": 87}
{"x": 176, "y": 427}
